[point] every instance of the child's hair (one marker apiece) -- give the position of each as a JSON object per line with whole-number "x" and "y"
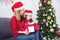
{"x": 29, "y": 20}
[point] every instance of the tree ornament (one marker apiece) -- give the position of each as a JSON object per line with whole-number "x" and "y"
{"x": 41, "y": 28}
{"x": 54, "y": 25}
{"x": 44, "y": 20}
{"x": 49, "y": 17}
{"x": 58, "y": 33}
{"x": 40, "y": 4}
{"x": 51, "y": 20}
{"x": 51, "y": 30}
{"x": 45, "y": 1}
{"x": 50, "y": 27}
{"x": 53, "y": 15}
{"x": 44, "y": 14}
{"x": 50, "y": 9}
{"x": 46, "y": 23}
{"x": 49, "y": 2}
{"x": 40, "y": 8}
{"x": 42, "y": 23}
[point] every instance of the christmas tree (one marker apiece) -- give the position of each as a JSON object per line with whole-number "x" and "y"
{"x": 47, "y": 19}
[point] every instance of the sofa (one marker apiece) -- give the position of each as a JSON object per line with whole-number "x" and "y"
{"x": 5, "y": 30}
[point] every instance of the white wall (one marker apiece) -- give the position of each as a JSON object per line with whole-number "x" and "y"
{"x": 5, "y": 10}
{"x": 56, "y": 5}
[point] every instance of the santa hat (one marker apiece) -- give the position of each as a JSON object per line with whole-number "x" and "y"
{"x": 17, "y": 6}
{"x": 28, "y": 12}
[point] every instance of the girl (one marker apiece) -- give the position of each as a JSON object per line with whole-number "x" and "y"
{"x": 31, "y": 27}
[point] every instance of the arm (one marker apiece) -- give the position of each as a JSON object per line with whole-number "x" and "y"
{"x": 13, "y": 26}
{"x": 36, "y": 27}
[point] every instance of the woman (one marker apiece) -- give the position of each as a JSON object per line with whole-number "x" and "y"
{"x": 17, "y": 21}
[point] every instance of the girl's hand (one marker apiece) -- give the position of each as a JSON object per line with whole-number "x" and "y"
{"x": 27, "y": 33}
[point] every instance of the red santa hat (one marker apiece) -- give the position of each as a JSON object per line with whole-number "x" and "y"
{"x": 28, "y": 12}
{"x": 17, "y": 6}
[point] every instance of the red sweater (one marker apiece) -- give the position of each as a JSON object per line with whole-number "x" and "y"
{"x": 36, "y": 27}
{"x": 16, "y": 25}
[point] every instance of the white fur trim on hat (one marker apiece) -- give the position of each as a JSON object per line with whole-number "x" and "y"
{"x": 28, "y": 13}
{"x": 19, "y": 8}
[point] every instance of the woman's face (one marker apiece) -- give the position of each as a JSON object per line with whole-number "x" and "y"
{"x": 20, "y": 12}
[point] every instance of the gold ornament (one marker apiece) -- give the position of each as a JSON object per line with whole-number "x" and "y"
{"x": 49, "y": 17}
{"x": 50, "y": 22}
{"x": 51, "y": 30}
{"x": 49, "y": 2}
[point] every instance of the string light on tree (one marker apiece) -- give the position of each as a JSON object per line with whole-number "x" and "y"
{"x": 50, "y": 9}
{"x": 54, "y": 25}
{"x": 44, "y": 20}
{"x": 40, "y": 4}
{"x": 46, "y": 23}
{"x": 50, "y": 26}
{"x": 44, "y": 14}
{"x": 40, "y": 8}
{"x": 51, "y": 20}
{"x": 51, "y": 13}
{"x": 51, "y": 30}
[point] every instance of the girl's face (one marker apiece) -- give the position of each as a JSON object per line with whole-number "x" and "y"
{"x": 29, "y": 17}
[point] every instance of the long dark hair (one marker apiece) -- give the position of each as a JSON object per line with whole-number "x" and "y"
{"x": 22, "y": 18}
{"x": 29, "y": 20}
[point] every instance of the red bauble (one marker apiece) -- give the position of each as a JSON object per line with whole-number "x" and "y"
{"x": 58, "y": 33}
{"x": 42, "y": 23}
{"x": 40, "y": 8}
{"x": 45, "y": 1}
